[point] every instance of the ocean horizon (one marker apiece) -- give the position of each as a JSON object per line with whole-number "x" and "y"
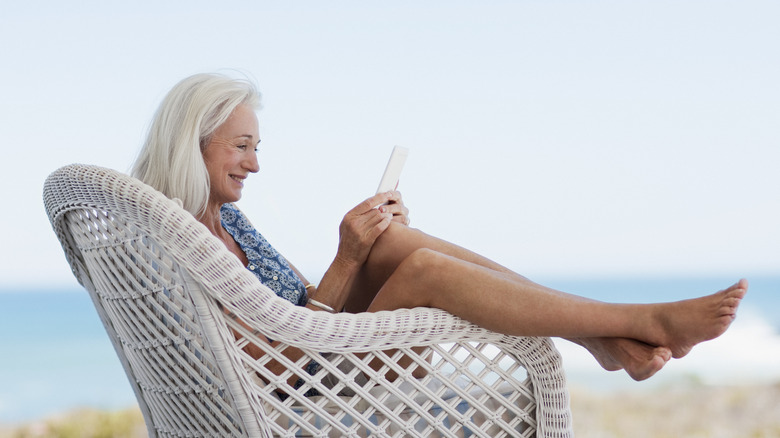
{"x": 58, "y": 357}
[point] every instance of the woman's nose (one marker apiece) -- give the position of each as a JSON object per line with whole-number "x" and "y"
{"x": 252, "y": 164}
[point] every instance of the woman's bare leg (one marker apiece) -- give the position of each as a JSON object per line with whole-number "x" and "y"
{"x": 496, "y": 301}
{"x": 640, "y": 360}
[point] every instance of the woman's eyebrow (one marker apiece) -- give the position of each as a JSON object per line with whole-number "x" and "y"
{"x": 248, "y": 137}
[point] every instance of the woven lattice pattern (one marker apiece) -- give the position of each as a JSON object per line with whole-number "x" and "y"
{"x": 171, "y": 296}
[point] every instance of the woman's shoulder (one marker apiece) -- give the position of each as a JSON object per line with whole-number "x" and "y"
{"x": 230, "y": 207}
{"x": 230, "y": 214}
{"x": 233, "y": 217}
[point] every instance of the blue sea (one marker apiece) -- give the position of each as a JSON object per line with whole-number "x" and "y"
{"x": 57, "y": 357}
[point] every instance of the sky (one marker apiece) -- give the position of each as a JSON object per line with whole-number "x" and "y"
{"x": 559, "y": 138}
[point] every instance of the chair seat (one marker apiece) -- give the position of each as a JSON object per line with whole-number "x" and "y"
{"x": 463, "y": 413}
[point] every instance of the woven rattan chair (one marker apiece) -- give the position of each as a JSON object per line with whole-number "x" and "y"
{"x": 162, "y": 285}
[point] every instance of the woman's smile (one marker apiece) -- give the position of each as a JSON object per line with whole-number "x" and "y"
{"x": 238, "y": 179}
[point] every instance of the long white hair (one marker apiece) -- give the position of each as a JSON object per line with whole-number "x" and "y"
{"x": 171, "y": 159}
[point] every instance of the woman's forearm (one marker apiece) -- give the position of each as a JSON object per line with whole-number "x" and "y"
{"x": 335, "y": 286}
{"x": 358, "y": 232}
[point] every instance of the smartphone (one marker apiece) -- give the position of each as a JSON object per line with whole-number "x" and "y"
{"x": 393, "y": 170}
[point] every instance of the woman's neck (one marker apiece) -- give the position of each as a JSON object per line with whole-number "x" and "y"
{"x": 213, "y": 220}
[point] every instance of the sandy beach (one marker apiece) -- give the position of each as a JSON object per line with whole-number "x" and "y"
{"x": 688, "y": 410}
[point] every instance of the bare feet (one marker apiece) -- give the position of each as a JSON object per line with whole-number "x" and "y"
{"x": 674, "y": 327}
{"x": 684, "y": 324}
{"x": 640, "y": 360}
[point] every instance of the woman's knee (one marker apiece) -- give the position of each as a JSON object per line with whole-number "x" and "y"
{"x": 423, "y": 261}
{"x": 397, "y": 243}
{"x": 391, "y": 249}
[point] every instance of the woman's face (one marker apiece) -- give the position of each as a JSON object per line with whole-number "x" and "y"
{"x": 231, "y": 155}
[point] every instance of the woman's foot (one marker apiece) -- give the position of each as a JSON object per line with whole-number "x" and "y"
{"x": 681, "y": 325}
{"x": 641, "y": 361}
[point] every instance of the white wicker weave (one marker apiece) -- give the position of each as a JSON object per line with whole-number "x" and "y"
{"x": 156, "y": 276}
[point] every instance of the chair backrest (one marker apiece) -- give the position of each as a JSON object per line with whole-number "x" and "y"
{"x": 141, "y": 294}
{"x": 162, "y": 283}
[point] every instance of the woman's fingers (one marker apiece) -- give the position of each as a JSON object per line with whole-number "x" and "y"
{"x": 361, "y": 227}
{"x": 363, "y": 224}
{"x": 395, "y": 205}
{"x": 371, "y": 203}
{"x": 376, "y": 225}
{"x": 365, "y": 216}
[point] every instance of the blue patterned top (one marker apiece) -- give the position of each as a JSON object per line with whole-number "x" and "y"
{"x": 264, "y": 261}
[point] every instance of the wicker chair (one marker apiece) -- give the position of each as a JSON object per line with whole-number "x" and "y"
{"x": 164, "y": 288}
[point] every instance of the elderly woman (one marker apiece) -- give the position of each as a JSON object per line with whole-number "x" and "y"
{"x": 202, "y": 147}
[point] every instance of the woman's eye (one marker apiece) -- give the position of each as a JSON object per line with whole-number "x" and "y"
{"x": 242, "y": 146}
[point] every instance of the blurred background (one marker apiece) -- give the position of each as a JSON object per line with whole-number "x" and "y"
{"x": 626, "y": 151}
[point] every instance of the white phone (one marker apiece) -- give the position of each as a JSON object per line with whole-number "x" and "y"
{"x": 393, "y": 170}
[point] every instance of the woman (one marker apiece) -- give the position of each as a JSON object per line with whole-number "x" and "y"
{"x": 206, "y": 130}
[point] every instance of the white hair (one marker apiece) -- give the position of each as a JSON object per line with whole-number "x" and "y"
{"x": 171, "y": 159}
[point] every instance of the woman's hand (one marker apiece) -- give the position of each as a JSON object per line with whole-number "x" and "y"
{"x": 363, "y": 224}
{"x": 395, "y": 205}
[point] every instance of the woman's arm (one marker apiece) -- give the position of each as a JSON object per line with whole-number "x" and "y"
{"x": 358, "y": 231}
